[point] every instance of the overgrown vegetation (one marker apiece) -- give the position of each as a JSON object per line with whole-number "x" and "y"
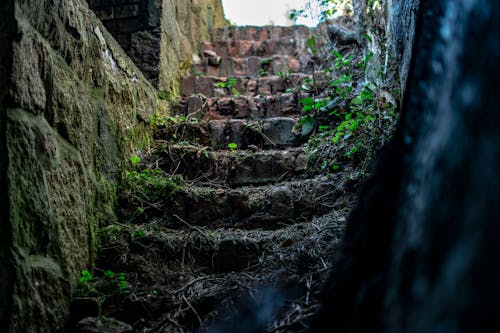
{"x": 145, "y": 187}
{"x": 354, "y": 113}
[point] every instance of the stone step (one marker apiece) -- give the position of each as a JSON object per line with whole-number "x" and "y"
{"x": 213, "y": 86}
{"x": 262, "y": 33}
{"x": 245, "y": 48}
{"x": 255, "y": 66}
{"x": 250, "y": 207}
{"x": 239, "y": 107}
{"x": 233, "y": 168}
{"x": 276, "y": 132}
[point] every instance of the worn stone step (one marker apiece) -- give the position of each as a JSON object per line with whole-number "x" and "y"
{"x": 213, "y": 86}
{"x": 239, "y": 107}
{"x": 276, "y": 132}
{"x": 262, "y": 33}
{"x": 245, "y": 48}
{"x": 234, "y": 168}
{"x": 255, "y": 66}
{"x": 263, "y": 206}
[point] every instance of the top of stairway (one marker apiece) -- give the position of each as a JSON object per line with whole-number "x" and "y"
{"x": 261, "y": 33}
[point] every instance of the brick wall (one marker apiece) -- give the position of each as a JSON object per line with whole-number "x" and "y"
{"x": 135, "y": 24}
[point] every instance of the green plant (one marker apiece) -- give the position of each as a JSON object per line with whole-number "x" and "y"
{"x": 229, "y": 84}
{"x": 138, "y": 233}
{"x": 232, "y": 145}
{"x": 341, "y": 62}
{"x": 85, "y": 276}
{"x": 117, "y": 280}
{"x": 135, "y": 160}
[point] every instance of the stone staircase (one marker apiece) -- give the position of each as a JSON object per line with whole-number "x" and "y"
{"x": 249, "y": 166}
{"x": 251, "y": 212}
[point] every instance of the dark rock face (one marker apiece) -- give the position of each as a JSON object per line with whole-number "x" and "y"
{"x": 421, "y": 251}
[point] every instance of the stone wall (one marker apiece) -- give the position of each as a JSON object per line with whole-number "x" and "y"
{"x": 160, "y": 35}
{"x": 185, "y": 24}
{"x": 420, "y": 252}
{"x": 135, "y": 24}
{"x": 73, "y": 105}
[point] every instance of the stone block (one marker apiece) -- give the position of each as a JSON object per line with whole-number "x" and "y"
{"x": 194, "y": 105}
{"x": 226, "y": 67}
{"x": 253, "y": 65}
{"x": 246, "y": 48}
{"x": 189, "y": 85}
{"x": 204, "y": 85}
{"x": 239, "y": 66}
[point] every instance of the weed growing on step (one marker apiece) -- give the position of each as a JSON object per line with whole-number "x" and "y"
{"x": 145, "y": 187}
{"x": 229, "y": 84}
{"x": 106, "y": 285}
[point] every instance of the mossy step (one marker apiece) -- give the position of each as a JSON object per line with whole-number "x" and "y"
{"x": 240, "y": 107}
{"x": 275, "y": 132}
{"x": 214, "y": 86}
{"x": 248, "y": 207}
{"x": 234, "y": 168}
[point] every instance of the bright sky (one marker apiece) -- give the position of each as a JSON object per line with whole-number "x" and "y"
{"x": 262, "y": 12}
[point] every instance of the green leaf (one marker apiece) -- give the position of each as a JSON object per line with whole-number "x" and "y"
{"x": 109, "y": 274}
{"x": 232, "y": 145}
{"x": 308, "y": 124}
{"x": 306, "y": 101}
{"x": 235, "y": 92}
{"x": 135, "y": 159}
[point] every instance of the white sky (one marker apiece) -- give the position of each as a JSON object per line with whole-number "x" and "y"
{"x": 262, "y": 12}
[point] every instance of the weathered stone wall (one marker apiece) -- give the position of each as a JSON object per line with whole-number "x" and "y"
{"x": 401, "y": 24}
{"x": 420, "y": 253}
{"x": 185, "y": 24}
{"x": 72, "y": 106}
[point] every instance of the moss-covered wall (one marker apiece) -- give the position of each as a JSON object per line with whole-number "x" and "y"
{"x": 72, "y": 107}
{"x": 184, "y": 25}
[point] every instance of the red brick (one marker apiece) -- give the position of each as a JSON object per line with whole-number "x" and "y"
{"x": 276, "y": 32}
{"x": 257, "y": 107}
{"x": 246, "y": 48}
{"x": 226, "y": 67}
{"x": 233, "y": 48}
{"x": 263, "y": 34}
{"x": 249, "y": 33}
{"x": 293, "y": 64}
{"x": 212, "y": 70}
{"x": 241, "y": 107}
{"x": 288, "y": 104}
{"x": 252, "y": 87}
{"x": 253, "y": 65}
{"x": 276, "y": 85}
{"x": 272, "y": 106}
{"x": 194, "y": 105}
{"x": 279, "y": 64}
{"x": 204, "y": 85}
{"x": 287, "y": 32}
{"x": 239, "y": 66}
{"x": 264, "y": 87}
{"x": 189, "y": 86}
